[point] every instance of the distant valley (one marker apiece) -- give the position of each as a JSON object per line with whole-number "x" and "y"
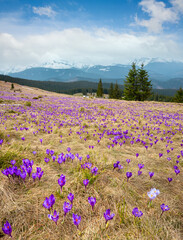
{"x": 164, "y": 75}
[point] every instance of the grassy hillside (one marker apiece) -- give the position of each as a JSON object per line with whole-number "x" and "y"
{"x": 83, "y": 134}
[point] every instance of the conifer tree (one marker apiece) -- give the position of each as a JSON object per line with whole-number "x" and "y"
{"x": 111, "y": 91}
{"x": 130, "y": 83}
{"x": 12, "y": 86}
{"x": 137, "y": 84}
{"x": 100, "y": 89}
{"x": 144, "y": 85}
{"x": 179, "y": 96}
{"x": 116, "y": 92}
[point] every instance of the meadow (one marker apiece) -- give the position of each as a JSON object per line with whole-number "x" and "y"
{"x": 73, "y": 155}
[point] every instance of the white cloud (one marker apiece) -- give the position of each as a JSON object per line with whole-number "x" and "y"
{"x": 75, "y": 45}
{"x": 159, "y": 14}
{"x": 47, "y": 11}
{"x": 178, "y": 5}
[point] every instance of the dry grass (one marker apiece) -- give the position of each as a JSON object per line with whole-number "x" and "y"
{"x": 21, "y": 204}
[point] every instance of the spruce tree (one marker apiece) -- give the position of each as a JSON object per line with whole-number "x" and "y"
{"x": 111, "y": 91}
{"x": 130, "y": 83}
{"x": 179, "y": 96}
{"x": 144, "y": 85}
{"x": 137, "y": 84}
{"x": 117, "y": 92}
{"x": 100, "y": 89}
{"x": 12, "y": 86}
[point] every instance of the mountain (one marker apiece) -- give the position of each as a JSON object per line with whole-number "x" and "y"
{"x": 164, "y": 74}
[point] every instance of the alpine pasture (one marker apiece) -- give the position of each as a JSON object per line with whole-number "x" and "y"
{"x": 89, "y": 168}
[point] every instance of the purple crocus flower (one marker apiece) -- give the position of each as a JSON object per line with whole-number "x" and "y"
{"x": 29, "y": 170}
{"x": 54, "y": 217}
{"x": 151, "y": 174}
{"x": 177, "y": 171}
{"x": 48, "y": 151}
{"x": 34, "y": 152}
{"x": 140, "y": 166}
{"x": 46, "y": 160}
{"x": 61, "y": 181}
{"x": 34, "y": 176}
{"x": 108, "y": 215}
{"x": 76, "y": 219}
{"x": 47, "y": 203}
{"x": 137, "y": 213}
{"x": 128, "y": 161}
{"x": 7, "y": 229}
{"x": 88, "y": 165}
{"x": 92, "y": 202}
{"x": 160, "y": 154}
{"x": 23, "y": 175}
{"x": 137, "y": 154}
{"x": 68, "y": 149}
{"x": 94, "y": 170}
{"x": 41, "y": 140}
{"x": 40, "y": 174}
{"x": 164, "y": 208}
{"x": 139, "y": 173}
{"x": 128, "y": 174}
{"x": 51, "y": 152}
{"x": 23, "y": 139}
{"x": 120, "y": 167}
{"x": 52, "y": 200}
{"x": 169, "y": 179}
{"x": 67, "y": 207}
{"x": 85, "y": 182}
{"x": 5, "y": 172}
{"x": 13, "y": 162}
{"x": 115, "y": 165}
{"x": 71, "y": 197}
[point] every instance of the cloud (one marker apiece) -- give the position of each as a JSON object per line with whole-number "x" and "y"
{"x": 178, "y": 5}
{"x": 47, "y": 11}
{"x": 75, "y": 45}
{"x": 159, "y": 14}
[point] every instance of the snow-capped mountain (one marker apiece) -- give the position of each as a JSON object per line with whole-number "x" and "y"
{"x": 159, "y": 70}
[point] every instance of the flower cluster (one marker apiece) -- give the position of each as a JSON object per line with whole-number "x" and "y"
{"x": 22, "y": 172}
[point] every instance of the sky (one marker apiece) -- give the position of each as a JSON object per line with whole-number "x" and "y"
{"x": 89, "y": 32}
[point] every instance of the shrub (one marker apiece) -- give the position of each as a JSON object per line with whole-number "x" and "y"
{"x": 28, "y": 104}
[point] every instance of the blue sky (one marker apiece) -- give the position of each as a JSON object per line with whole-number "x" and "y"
{"x": 89, "y": 31}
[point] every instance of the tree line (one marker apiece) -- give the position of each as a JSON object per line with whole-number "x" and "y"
{"x": 138, "y": 87}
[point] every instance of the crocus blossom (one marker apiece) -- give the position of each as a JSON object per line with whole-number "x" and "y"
{"x": 7, "y": 229}
{"x": 153, "y": 193}
{"x": 137, "y": 213}
{"x": 164, "y": 208}
{"x": 70, "y": 197}
{"x": 92, "y": 201}
{"x": 128, "y": 174}
{"x": 108, "y": 215}
{"x": 85, "y": 182}
{"x": 61, "y": 181}
{"x": 54, "y": 217}
{"x": 76, "y": 219}
{"x": 67, "y": 207}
